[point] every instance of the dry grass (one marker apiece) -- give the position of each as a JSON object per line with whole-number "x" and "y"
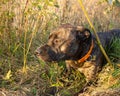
{"x": 103, "y": 16}
{"x": 25, "y": 24}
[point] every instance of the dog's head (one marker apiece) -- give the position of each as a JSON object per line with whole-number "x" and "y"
{"x": 65, "y": 43}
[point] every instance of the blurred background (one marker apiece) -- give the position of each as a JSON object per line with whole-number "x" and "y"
{"x": 26, "y": 24}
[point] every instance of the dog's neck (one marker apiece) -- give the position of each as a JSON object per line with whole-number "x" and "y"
{"x": 87, "y": 55}
{"x": 84, "y": 50}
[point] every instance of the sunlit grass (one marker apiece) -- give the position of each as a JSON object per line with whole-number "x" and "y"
{"x": 23, "y": 27}
{"x": 114, "y": 50}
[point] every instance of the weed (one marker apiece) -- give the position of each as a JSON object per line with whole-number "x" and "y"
{"x": 25, "y": 25}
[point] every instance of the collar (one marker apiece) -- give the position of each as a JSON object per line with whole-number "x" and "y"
{"x": 86, "y": 55}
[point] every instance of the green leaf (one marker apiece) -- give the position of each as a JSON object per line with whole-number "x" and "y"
{"x": 39, "y": 7}
{"x": 56, "y": 5}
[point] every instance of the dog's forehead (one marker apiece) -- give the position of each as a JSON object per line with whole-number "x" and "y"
{"x": 63, "y": 32}
{"x": 66, "y": 31}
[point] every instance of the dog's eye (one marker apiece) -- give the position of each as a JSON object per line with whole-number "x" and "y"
{"x": 56, "y": 41}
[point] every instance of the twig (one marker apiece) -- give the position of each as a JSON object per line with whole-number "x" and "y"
{"x": 96, "y": 35}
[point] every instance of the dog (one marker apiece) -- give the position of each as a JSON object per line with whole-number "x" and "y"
{"x": 78, "y": 47}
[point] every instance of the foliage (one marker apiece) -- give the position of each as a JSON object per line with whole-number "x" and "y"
{"x": 18, "y": 31}
{"x": 114, "y": 53}
{"x": 112, "y": 2}
{"x": 114, "y": 50}
{"x": 21, "y": 24}
{"x": 62, "y": 82}
{"x": 24, "y": 26}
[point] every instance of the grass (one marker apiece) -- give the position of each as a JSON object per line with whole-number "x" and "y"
{"x": 115, "y": 57}
{"x": 114, "y": 50}
{"x": 23, "y": 29}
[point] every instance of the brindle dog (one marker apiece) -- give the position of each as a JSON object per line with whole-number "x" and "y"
{"x": 78, "y": 47}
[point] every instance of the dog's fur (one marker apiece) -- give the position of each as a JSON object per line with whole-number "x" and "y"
{"x": 70, "y": 43}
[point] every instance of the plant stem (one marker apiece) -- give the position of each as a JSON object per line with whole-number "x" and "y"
{"x": 95, "y": 33}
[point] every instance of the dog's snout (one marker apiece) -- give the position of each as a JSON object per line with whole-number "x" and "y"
{"x": 42, "y": 50}
{"x": 39, "y": 51}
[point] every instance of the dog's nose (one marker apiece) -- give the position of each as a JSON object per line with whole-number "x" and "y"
{"x": 39, "y": 52}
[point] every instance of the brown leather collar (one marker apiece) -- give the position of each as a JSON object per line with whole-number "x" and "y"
{"x": 86, "y": 55}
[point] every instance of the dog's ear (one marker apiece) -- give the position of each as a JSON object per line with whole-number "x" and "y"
{"x": 82, "y": 33}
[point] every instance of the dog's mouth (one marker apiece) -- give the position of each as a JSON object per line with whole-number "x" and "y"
{"x": 49, "y": 55}
{"x": 45, "y": 58}
{"x": 46, "y": 54}
{"x": 53, "y": 58}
